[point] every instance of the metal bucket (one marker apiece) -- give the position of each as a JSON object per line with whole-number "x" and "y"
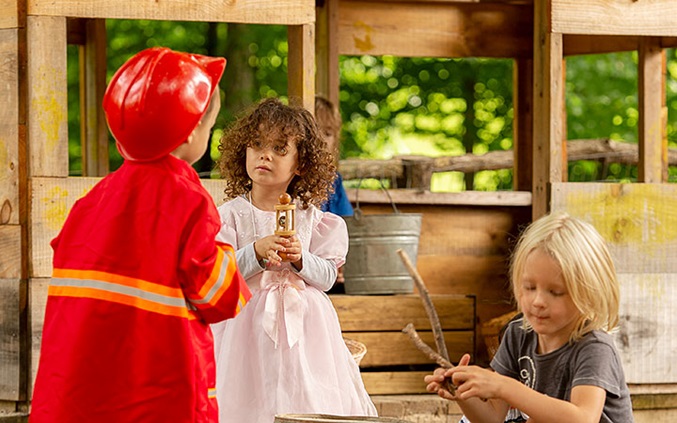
{"x": 323, "y": 418}
{"x": 372, "y": 264}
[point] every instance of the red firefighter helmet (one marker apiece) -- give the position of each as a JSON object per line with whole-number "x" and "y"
{"x": 157, "y": 98}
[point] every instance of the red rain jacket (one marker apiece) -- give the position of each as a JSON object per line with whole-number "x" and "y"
{"x": 137, "y": 279}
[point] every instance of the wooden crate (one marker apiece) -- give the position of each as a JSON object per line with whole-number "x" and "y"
{"x": 392, "y": 364}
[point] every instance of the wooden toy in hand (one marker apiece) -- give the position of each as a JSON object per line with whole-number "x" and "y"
{"x": 285, "y": 219}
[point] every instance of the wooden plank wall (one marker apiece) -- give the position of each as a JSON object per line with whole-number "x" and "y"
{"x": 464, "y": 250}
{"x": 12, "y": 202}
{"x": 639, "y": 222}
{"x": 377, "y": 322}
{"x": 281, "y": 12}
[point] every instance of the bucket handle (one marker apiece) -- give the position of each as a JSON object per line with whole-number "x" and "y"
{"x": 358, "y": 211}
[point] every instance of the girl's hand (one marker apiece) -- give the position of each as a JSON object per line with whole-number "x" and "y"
{"x": 267, "y": 248}
{"x": 293, "y": 251}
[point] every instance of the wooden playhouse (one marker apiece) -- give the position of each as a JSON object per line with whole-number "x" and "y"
{"x": 466, "y": 237}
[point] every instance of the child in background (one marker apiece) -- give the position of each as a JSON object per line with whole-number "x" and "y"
{"x": 557, "y": 363}
{"x": 137, "y": 274}
{"x": 328, "y": 120}
{"x": 290, "y": 355}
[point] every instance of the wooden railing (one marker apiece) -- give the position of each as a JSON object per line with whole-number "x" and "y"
{"x": 417, "y": 171}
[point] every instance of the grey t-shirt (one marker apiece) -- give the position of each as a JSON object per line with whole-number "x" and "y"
{"x": 593, "y": 360}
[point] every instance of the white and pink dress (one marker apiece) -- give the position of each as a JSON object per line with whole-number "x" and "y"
{"x": 284, "y": 353}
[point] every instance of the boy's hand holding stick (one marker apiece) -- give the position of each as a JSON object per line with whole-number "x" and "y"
{"x": 441, "y": 357}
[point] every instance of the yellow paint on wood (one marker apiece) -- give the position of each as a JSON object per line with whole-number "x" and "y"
{"x": 51, "y": 116}
{"x": 363, "y": 44}
{"x": 624, "y": 215}
{"x": 55, "y": 207}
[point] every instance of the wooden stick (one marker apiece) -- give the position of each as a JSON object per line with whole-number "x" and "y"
{"x": 423, "y": 347}
{"x": 418, "y": 342}
{"x": 428, "y": 304}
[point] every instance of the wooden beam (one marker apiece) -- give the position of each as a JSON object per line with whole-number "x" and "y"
{"x": 281, "y": 12}
{"x": 301, "y": 59}
{"x": 575, "y": 44}
{"x": 37, "y": 302}
{"x": 395, "y": 348}
{"x": 12, "y": 14}
{"x": 653, "y": 140}
{"x": 435, "y": 29}
{"x": 12, "y": 387}
{"x": 93, "y": 129}
{"x": 392, "y": 383}
{"x": 10, "y": 126}
{"x": 415, "y": 196}
{"x": 523, "y": 135}
{"x": 47, "y": 96}
{"x": 393, "y": 312}
{"x": 326, "y": 51}
{"x": 10, "y": 252}
{"x": 614, "y": 17}
{"x": 548, "y": 126}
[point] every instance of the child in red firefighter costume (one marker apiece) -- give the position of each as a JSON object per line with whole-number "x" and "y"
{"x": 137, "y": 275}
{"x": 290, "y": 355}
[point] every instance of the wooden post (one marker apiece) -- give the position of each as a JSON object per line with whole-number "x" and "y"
{"x": 301, "y": 68}
{"x": 47, "y": 97}
{"x": 93, "y": 129}
{"x": 417, "y": 172}
{"x": 327, "y": 80}
{"x": 523, "y": 135}
{"x": 548, "y": 125}
{"x": 653, "y": 142}
{"x": 13, "y": 207}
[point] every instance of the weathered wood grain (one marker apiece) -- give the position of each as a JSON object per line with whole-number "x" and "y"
{"x": 435, "y": 29}
{"x": 10, "y": 340}
{"x": 395, "y": 348}
{"x": 282, "y": 12}
{"x": 10, "y": 252}
{"x": 10, "y": 13}
{"x": 9, "y": 127}
{"x": 52, "y": 199}
{"x": 393, "y": 312}
{"x": 47, "y": 96}
{"x": 639, "y": 221}
{"x": 614, "y": 17}
{"x": 647, "y": 339}
{"x": 37, "y": 301}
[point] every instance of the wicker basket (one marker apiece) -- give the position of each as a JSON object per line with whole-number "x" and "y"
{"x": 491, "y": 330}
{"x": 357, "y": 349}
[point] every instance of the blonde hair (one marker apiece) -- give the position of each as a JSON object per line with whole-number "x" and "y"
{"x": 328, "y": 119}
{"x": 587, "y": 269}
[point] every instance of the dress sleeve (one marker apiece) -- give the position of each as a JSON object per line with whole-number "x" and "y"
{"x": 326, "y": 252}
{"x": 245, "y": 254}
{"x": 329, "y": 239}
{"x": 210, "y": 277}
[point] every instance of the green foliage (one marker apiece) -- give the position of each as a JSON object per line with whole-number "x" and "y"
{"x": 398, "y": 106}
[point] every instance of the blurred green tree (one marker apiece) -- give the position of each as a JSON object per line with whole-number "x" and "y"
{"x": 398, "y": 106}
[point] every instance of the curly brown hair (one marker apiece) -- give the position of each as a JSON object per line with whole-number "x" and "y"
{"x": 271, "y": 121}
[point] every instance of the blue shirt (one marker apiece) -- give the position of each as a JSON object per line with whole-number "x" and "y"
{"x": 338, "y": 202}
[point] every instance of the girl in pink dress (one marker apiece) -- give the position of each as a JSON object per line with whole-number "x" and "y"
{"x": 284, "y": 353}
